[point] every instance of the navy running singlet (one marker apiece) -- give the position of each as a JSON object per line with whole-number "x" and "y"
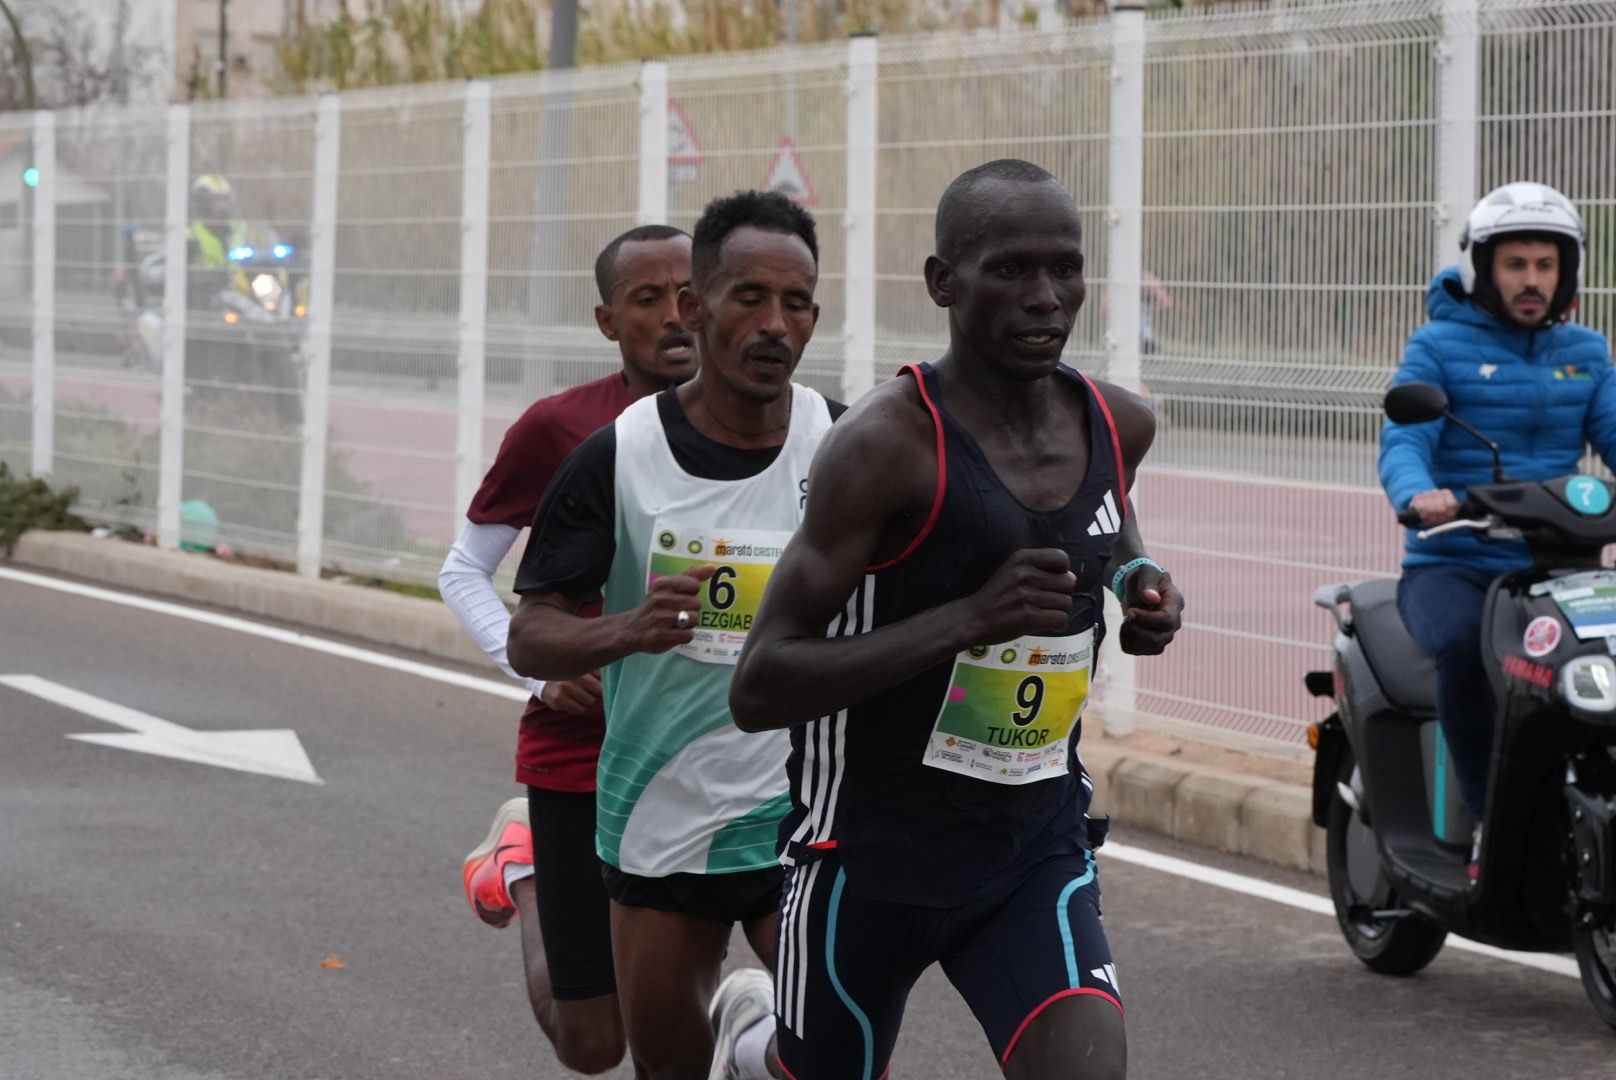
{"x": 934, "y": 790}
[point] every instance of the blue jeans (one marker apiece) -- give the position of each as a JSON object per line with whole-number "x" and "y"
{"x": 1441, "y": 605}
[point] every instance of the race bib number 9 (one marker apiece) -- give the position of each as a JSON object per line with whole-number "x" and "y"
{"x": 1009, "y": 711}
{"x": 729, "y": 599}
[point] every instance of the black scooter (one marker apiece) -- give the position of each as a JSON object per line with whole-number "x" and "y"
{"x": 1399, "y": 839}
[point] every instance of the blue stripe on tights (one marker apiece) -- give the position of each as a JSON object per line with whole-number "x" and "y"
{"x": 1439, "y": 789}
{"x": 836, "y": 982}
{"x": 1073, "y": 975}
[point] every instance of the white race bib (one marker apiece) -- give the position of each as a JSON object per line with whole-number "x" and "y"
{"x": 729, "y": 599}
{"x": 1009, "y": 711}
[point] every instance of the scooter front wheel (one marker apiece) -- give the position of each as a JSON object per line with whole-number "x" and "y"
{"x": 1596, "y": 959}
{"x": 1399, "y": 944}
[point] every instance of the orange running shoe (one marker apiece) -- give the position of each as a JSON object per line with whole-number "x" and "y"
{"x": 510, "y": 840}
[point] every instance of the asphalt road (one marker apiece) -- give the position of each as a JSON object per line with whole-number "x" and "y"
{"x": 168, "y": 920}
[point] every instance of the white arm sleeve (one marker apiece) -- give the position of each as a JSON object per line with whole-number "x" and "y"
{"x": 467, "y": 585}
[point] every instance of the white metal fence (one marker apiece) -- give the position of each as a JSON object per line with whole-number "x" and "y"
{"x": 1266, "y": 193}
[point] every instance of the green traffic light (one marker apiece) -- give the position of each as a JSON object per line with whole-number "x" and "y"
{"x": 30, "y": 176}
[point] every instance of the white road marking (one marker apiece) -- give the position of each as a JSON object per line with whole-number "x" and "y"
{"x": 275, "y": 752}
{"x": 1167, "y": 864}
{"x": 508, "y": 691}
{"x": 1306, "y": 901}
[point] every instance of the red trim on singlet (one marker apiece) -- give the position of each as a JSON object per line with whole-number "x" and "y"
{"x": 823, "y": 845}
{"x": 1008, "y": 1050}
{"x": 942, "y": 474}
{"x": 1116, "y": 445}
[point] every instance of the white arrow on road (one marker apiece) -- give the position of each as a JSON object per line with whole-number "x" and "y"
{"x": 274, "y": 752}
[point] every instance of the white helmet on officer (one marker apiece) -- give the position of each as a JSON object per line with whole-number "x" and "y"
{"x": 1522, "y": 211}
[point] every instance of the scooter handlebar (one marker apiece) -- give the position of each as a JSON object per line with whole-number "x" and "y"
{"x": 1410, "y": 517}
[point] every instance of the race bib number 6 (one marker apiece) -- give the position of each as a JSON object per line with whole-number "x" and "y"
{"x": 1008, "y": 715}
{"x": 730, "y": 598}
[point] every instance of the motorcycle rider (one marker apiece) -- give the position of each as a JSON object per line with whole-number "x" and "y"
{"x": 1500, "y": 344}
{"x": 214, "y": 232}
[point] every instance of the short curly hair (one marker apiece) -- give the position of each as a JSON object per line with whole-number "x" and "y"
{"x": 767, "y": 210}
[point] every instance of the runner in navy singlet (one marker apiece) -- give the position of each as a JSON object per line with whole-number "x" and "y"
{"x": 929, "y": 637}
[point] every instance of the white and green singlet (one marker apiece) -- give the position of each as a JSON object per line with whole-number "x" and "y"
{"x": 679, "y": 789}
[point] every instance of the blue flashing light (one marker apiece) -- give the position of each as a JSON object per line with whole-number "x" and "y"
{"x": 241, "y": 254}
{"x": 282, "y": 251}
{"x": 30, "y": 176}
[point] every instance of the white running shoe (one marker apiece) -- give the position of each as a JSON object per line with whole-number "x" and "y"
{"x": 742, "y": 999}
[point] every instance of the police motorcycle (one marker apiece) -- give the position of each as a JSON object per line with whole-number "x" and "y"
{"x": 1398, "y": 837}
{"x": 251, "y": 333}
{"x": 263, "y": 308}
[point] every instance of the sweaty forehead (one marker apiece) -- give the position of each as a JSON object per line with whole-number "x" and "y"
{"x": 1006, "y": 211}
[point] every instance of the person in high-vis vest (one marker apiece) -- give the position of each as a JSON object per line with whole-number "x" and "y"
{"x": 212, "y": 234}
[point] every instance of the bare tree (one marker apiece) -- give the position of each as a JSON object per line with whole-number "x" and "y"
{"x": 56, "y": 58}
{"x": 22, "y": 60}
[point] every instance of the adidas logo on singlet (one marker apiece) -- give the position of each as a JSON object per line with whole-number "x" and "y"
{"x": 1105, "y": 518}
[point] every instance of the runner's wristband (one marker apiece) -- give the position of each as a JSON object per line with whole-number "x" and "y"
{"x": 1120, "y": 578}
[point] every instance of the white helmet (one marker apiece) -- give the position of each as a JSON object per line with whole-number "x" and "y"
{"x": 1524, "y": 208}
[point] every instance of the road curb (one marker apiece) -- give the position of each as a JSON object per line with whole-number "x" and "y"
{"x": 1224, "y": 810}
{"x": 359, "y": 611}
{"x": 1233, "y": 812}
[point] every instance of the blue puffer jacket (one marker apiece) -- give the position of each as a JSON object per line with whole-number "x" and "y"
{"x": 1539, "y": 394}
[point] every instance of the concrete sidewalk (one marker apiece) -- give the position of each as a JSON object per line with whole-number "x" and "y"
{"x": 1201, "y": 795}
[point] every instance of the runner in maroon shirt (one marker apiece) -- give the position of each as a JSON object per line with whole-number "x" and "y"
{"x": 538, "y": 860}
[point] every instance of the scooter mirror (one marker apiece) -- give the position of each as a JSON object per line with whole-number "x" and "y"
{"x": 1415, "y": 403}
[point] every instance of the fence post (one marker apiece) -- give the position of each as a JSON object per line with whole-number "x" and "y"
{"x": 1125, "y": 237}
{"x": 317, "y": 392}
{"x": 171, "y": 423}
{"x": 44, "y": 388}
{"x": 470, "y": 366}
{"x": 653, "y": 143}
{"x": 1458, "y": 57}
{"x": 863, "y": 121}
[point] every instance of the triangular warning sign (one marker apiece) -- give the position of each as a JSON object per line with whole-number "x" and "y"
{"x": 788, "y": 176}
{"x": 683, "y": 146}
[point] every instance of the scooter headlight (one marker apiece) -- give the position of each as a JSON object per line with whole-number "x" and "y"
{"x": 267, "y": 290}
{"x": 1589, "y": 683}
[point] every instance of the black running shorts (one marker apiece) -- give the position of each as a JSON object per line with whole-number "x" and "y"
{"x": 739, "y": 897}
{"x": 573, "y": 910}
{"x": 846, "y": 964}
